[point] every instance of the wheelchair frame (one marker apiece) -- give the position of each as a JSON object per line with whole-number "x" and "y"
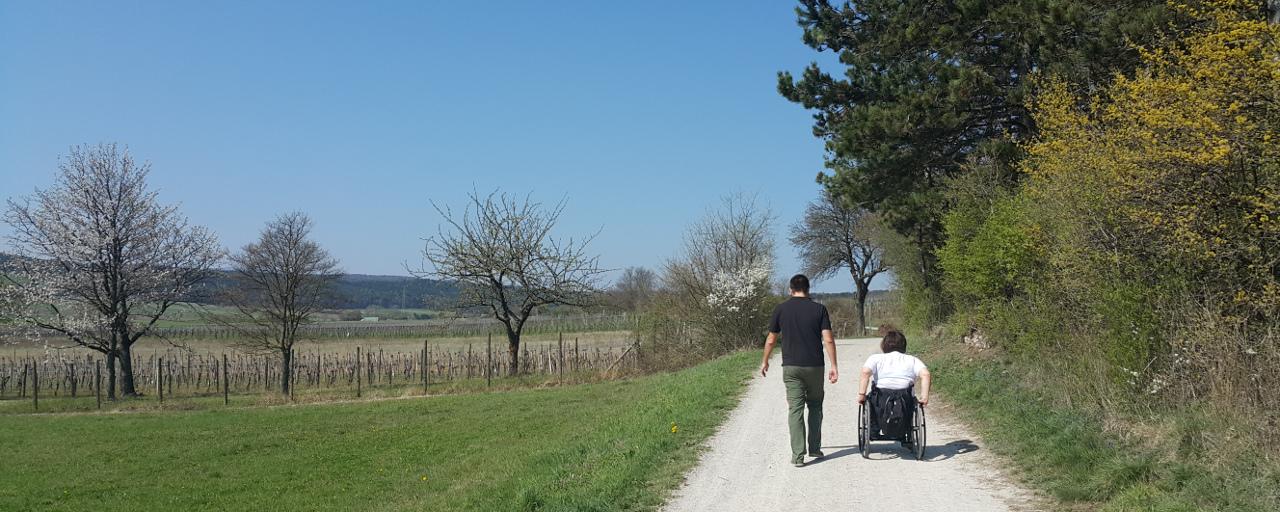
{"x": 917, "y": 435}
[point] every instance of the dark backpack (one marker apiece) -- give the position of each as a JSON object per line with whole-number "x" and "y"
{"x": 895, "y": 412}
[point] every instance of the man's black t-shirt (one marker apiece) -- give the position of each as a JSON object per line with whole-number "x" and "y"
{"x": 801, "y": 322}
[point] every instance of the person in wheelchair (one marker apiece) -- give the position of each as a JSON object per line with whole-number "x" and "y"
{"x": 892, "y": 375}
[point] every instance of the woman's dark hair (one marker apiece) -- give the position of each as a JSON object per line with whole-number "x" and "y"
{"x": 894, "y": 341}
{"x": 799, "y": 283}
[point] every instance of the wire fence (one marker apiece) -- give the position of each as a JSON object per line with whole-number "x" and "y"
{"x": 183, "y": 373}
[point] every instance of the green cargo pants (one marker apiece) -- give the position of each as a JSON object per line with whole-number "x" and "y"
{"x": 804, "y": 388}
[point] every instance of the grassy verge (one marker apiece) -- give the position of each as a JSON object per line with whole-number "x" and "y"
{"x": 604, "y": 446}
{"x": 303, "y": 395}
{"x": 1177, "y": 460}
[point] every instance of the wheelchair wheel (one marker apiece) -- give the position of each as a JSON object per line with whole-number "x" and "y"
{"x": 919, "y": 434}
{"x": 864, "y": 430}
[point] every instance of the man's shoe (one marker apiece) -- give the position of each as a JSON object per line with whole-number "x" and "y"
{"x": 816, "y": 455}
{"x": 798, "y": 462}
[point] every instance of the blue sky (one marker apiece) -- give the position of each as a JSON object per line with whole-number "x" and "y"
{"x": 642, "y": 114}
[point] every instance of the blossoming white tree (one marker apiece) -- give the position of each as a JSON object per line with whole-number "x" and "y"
{"x": 721, "y": 283}
{"x": 734, "y": 290}
{"x": 99, "y": 260}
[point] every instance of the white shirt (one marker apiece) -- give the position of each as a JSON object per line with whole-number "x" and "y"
{"x": 894, "y": 370}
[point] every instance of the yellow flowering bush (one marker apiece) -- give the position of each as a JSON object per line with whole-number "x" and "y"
{"x": 1158, "y": 196}
{"x": 1175, "y": 171}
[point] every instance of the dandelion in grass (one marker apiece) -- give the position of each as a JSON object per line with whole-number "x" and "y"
{"x": 674, "y": 428}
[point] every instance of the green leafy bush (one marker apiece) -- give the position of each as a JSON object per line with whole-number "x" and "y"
{"x": 999, "y": 256}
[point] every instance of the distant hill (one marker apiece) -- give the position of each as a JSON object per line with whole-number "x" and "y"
{"x": 352, "y": 291}
{"x": 359, "y": 291}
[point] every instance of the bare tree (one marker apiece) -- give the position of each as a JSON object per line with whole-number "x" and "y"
{"x": 832, "y": 237}
{"x": 281, "y": 279}
{"x": 722, "y": 280}
{"x": 635, "y": 288}
{"x": 502, "y": 255}
{"x": 101, "y": 260}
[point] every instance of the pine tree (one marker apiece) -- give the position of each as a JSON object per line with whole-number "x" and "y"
{"x": 930, "y": 88}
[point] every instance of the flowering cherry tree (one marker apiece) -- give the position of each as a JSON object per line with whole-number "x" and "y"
{"x": 98, "y": 260}
{"x": 721, "y": 283}
{"x": 735, "y": 290}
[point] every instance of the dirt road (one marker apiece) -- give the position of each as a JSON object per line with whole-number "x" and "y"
{"x": 746, "y": 466}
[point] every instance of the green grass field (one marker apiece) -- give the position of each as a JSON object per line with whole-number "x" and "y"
{"x": 606, "y": 446}
{"x": 1166, "y": 461}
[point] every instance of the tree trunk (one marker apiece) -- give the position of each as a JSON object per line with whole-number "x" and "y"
{"x": 862, "y": 307}
{"x": 126, "y": 371}
{"x": 111, "y": 376}
{"x": 286, "y": 371}
{"x": 513, "y": 348}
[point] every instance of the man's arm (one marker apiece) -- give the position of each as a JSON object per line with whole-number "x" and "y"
{"x": 769, "y": 342}
{"x": 829, "y": 340}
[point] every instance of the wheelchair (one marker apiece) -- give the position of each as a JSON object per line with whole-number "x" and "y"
{"x": 914, "y": 438}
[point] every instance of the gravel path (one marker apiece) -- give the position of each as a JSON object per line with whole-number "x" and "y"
{"x": 745, "y": 466}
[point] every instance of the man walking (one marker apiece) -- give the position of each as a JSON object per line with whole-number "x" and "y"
{"x": 805, "y": 326}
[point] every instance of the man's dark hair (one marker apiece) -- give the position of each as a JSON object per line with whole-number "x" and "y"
{"x": 894, "y": 341}
{"x": 799, "y": 283}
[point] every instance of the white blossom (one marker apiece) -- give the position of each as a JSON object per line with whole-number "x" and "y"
{"x": 98, "y": 258}
{"x": 734, "y": 289}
